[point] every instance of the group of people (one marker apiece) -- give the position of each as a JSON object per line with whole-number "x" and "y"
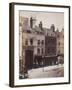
{"x": 38, "y": 60}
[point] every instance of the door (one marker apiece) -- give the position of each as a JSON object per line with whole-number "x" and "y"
{"x": 29, "y": 59}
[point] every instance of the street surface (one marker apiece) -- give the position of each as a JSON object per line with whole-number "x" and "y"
{"x": 46, "y": 72}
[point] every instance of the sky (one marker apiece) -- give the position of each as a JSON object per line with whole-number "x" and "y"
{"x": 47, "y": 18}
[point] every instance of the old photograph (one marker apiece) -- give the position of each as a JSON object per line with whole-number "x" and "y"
{"x": 41, "y": 44}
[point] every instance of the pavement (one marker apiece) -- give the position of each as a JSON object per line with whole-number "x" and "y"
{"x": 47, "y": 72}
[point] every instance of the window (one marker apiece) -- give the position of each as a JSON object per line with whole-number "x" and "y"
{"x": 38, "y": 42}
{"x": 59, "y": 52}
{"x": 28, "y": 31}
{"x": 26, "y": 42}
{"x": 38, "y": 51}
{"x": 42, "y": 42}
{"x": 47, "y": 34}
{"x": 31, "y": 41}
{"x": 42, "y": 51}
{"x": 51, "y": 34}
{"x": 59, "y": 43}
{"x": 48, "y": 50}
{"x": 58, "y": 36}
{"x": 20, "y": 24}
{"x": 53, "y": 51}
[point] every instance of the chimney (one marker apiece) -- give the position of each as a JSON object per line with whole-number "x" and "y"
{"x": 53, "y": 27}
{"x": 40, "y": 25}
{"x": 31, "y": 22}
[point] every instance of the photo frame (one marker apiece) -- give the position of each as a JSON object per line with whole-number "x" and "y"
{"x": 39, "y": 44}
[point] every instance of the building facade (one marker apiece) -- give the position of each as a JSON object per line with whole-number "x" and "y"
{"x": 50, "y": 46}
{"x": 60, "y": 45}
{"x": 38, "y": 45}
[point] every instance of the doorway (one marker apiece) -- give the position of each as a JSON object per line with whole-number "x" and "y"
{"x": 29, "y": 59}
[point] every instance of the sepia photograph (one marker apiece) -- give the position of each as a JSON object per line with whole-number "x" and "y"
{"x": 39, "y": 46}
{"x": 41, "y": 43}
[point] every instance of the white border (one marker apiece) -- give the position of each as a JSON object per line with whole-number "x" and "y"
{"x": 16, "y": 45}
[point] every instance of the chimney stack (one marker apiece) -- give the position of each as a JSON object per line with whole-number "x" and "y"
{"x": 53, "y": 27}
{"x": 40, "y": 25}
{"x": 31, "y": 22}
